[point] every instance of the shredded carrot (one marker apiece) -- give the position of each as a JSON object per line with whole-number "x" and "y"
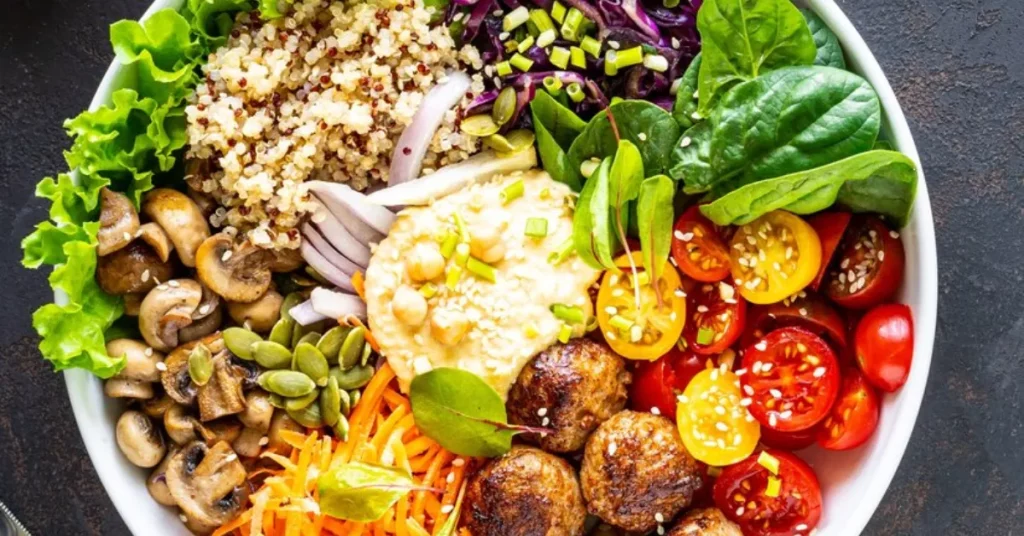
{"x": 382, "y": 431}
{"x": 359, "y": 283}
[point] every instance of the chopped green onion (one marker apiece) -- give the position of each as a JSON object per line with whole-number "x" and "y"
{"x": 615, "y": 100}
{"x": 453, "y": 276}
{"x": 559, "y": 58}
{"x": 448, "y": 246}
{"x": 428, "y": 290}
{"x": 569, "y": 314}
{"x": 525, "y": 44}
{"x": 591, "y": 46}
{"x": 670, "y": 3}
{"x": 461, "y": 254}
{"x": 558, "y": 11}
{"x": 521, "y": 62}
{"x": 575, "y": 92}
{"x": 536, "y": 227}
{"x": 629, "y": 57}
{"x": 481, "y": 269}
{"x": 552, "y": 83}
{"x": 565, "y": 333}
{"x": 542, "y": 20}
{"x": 559, "y": 255}
{"x": 579, "y": 59}
{"x": 592, "y": 323}
{"x": 512, "y": 192}
{"x": 773, "y": 487}
{"x": 588, "y": 167}
{"x": 611, "y": 67}
{"x": 656, "y": 62}
{"x": 504, "y": 68}
{"x": 620, "y": 322}
{"x": 705, "y": 336}
{"x": 571, "y": 25}
{"x": 460, "y": 225}
{"x": 515, "y": 18}
{"x": 511, "y": 45}
{"x": 769, "y": 462}
{"x": 546, "y": 38}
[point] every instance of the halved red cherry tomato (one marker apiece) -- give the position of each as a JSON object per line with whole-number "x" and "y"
{"x": 854, "y": 417}
{"x": 830, "y": 227}
{"x": 884, "y": 345}
{"x": 698, "y": 249}
{"x": 717, "y": 315}
{"x": 798, "y": 440}
{"x": 791, "y": 377}
{"x": 656, "y": 384}
{"x": 808, "y": 310}
{"x": 743, "y": 493}
{"x": 869, "y": 267}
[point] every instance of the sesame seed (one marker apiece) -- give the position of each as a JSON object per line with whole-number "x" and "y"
{"x": 614, "y": 45}
{"x": 655, "y": 410}
{"x": 702, "y": 309}
{"x": 762, "y": 346}
{"x": 183, "y": 518}
{"x": 819, "y": 372}
{"x": 264, "y": 440}
{"x": 447, "y": 509}
{"x": 775, "y": 393}
{"x": 641, "y": 136}
{"x": 542, "y": 412}
{"x": 748, "y": 390}
{"x": 801, "y": 526}
{"x": 174, "y": 284}
{"x": 161, "y": 366}
{"x": 685, "y": 142}
{"x": 612, "y": 447}
{"x": 227, "y": 255}
{"x": 746, "y": 402}
{"x": 773, "y": 420}
{"x": 451, "y": 477}
{"x": 545, "y": 422}
{"x": 720, "y": 410}
{"x": 145, "y": 275}
{"x": 148, "y": 351}
{"x": 678, "y": 234}
{"x": 786, "y": 414}
{"x": 894, "y": 234}
{"x": 766, "y": 367}
{"x": 128, "y": 236}
{"x": 659, "y": 518}
{"x": 803, "y": 311}
{"x": 740, "y": 511}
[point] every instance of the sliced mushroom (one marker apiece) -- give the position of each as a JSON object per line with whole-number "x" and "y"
{"x": 139, "y": 440}
{"x": 118, "y": 222}
{"x": 180, "y": 425}
{"x": 248, "y": 443}
{"x": 279, "y": 423}
{"x": 285, "y": 260}
{"x": 180, "y": 218}
{"x": 154, "y": 235}
{"x": 157, "y": 481}
{"x": 222, "y": 395}
{"x": 237, "y": 272}
{"x": 175, "y": 378}
{"x": 166, "y": 309}
{"x": 202, "y": 327}
{"x": 140, "y": 359}
{"x": 220, "y": 430}
{"x": 258, "y": 411}
{"x": 197, "y": 171}
{"x": 208, "y": 484}
{"x": 125, "y": 388}
{"x": 157, "y": 406}
{"x": 132, "y": 269}
{"x": 132, "y": 303}
{"x": 260, "y": 315}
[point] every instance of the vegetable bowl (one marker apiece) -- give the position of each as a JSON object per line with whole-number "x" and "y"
{"x": 852, "y": 481}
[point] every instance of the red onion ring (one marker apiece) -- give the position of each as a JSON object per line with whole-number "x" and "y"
{"x": 332, "y": 255}
{"x": 348, "y": 245}
{"x": 324, "y": 267}
{"x": 346, "y": 200}
{"x": 304, "y": 314}
{"x": 407, "y": 160}
{"x": 337, "y": 304}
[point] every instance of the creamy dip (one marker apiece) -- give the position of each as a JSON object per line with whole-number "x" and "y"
{"x": 491, "y": 329}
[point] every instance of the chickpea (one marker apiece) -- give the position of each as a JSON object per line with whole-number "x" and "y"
{"x": 486, "y": 244}
{"x": 425, "y": 262}
{"x": 409, "y": 306}
{"x": 448, "y": 327}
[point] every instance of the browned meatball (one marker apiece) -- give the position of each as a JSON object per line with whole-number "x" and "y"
{"x": 705, "y": 522}
{"x": 570, "y": 388}
{"x": 526, "y": 492}
{"x": 636, "y": 472}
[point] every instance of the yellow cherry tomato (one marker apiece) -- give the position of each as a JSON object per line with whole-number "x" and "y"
{"x": 634, "y": 321}
{"x": 774, "y": 257}
{"x": 716, "y": 428}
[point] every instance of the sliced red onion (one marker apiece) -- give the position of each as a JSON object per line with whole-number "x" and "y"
{"x": 352, "y": 223}
{"x": 337, "y": 195}
{"x": 324, "y": 267}
{"x": 345, "y": 242}
{"x": 453, "y": 178}
{"x": 412, "y": 145}
{"x": 317, "y": 240}
{"x": 304, "y": 314}
{"x": 337, "y": 304}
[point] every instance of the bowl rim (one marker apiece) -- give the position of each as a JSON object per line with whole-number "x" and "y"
{"x": 80, "y": 383}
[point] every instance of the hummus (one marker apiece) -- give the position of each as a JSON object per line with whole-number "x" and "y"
{"x": 424, "y": 317}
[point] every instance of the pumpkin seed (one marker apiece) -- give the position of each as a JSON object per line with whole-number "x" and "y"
{"x": 499, "y": 143}
{"x": 367, "y": 351}
{"x": 308, "y": 416}
{"x": 352, "y": 348}
{"x": 277, "y": 401}
{"x": 346, "y": 400}
{"x": 312, "y": 337}
{"x": 281, "y": 333}
{"x": 520, "y": 139}
{"x": 297, "y": 332}
{"x": 300, "y": 402}
{"x": 312, "y": 363}
{"x": 330, "y": 343}
{"x": 272, "y": 355}
{"x": 240, "y": 342}
{"x": 481, "y": 125}
{"x": 311, "y": 272}
{"x": 330, "y": 402}
{"x": 355, "y": 395}
{"x": 200, "y": 365}
{"x": 341, "y": 428}
{"x": 287, "y": 383}
{"x": 504, "y": 106}
{"x": 353, "y": 378}
{"x": 291, "y": 300}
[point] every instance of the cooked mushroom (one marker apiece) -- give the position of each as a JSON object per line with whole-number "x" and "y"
{"x": 139, "y": 440}
{"x": 285, "y": 260}
{"x": 132, "y": 303}
{"x": 260, "y": 315}
{"x": 136, "y": 378}
{"x": 238, "y": 272}
{"x": 180, "y": 218}
{"x": 222, "y": 395}
{"x": 248, "y": 443}
{"x": 197, "y": 171}
{"x": 180, "y": 425}
{"x": 118, "y": 222}
{"x": 279, "y": 423}
{"x": 125, "y": 388}
{"x": 157, "y": 406}
{"x": 157, "y": 481}
{"x": 221, "y": 430}
{"x": 202, "y": 327}
{"x": 154, "y": 235}
{"x": 132, "y": 269}
{"x": 166, "y": 309}
{"x": 208, "y": 484}
{"x": 258, "y": 411}
{"x": 175, "y": 378}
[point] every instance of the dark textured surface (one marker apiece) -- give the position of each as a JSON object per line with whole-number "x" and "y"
{"x": 957, "y": 67}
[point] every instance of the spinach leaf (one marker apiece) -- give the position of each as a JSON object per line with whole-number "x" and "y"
{"x": 461, "y": 412}
{"x": 875, "y": 181}
{"x": 556, "y": 127}
{"x": 626, "y": 175}
{"x": 830, "y": 52}
{"x": 743, "y": 39}
{"x": 656, "y": 214}
{"x": 646, "y": 125}
{"x": 691, "y": 158}
{"x": 591, "y": 224}
{"x": 362, "y": 492}
{"x": 884, "y": 145}
{"x": 686, "y": 95}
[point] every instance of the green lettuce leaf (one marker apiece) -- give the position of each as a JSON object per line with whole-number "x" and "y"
{"x": 211, "y": 21}
{"x": 159, "y": 50}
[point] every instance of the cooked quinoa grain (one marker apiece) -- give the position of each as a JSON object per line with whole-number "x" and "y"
{"x": 321, "y": 94}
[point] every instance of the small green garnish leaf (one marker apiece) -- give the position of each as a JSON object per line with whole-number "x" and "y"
{"x": 655, "y": 213}
{"x": 461, "y": 412}
{"x": 451, "y": 525}
{"x": 705, "y": 336}
{"x": 363, "y": 492}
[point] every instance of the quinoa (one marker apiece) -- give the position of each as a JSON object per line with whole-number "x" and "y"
{"x": 321, "y": 94}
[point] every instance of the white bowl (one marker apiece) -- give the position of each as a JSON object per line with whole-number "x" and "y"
{"x": 853, "y": 482}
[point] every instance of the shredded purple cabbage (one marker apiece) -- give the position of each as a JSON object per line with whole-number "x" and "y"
{"x": 483, "y": 102}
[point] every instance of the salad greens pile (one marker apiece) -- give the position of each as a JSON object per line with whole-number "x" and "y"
{"x": 128, "y": 145}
